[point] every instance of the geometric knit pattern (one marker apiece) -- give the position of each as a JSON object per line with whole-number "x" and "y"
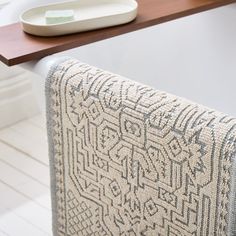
{"x": 128, "y": 160}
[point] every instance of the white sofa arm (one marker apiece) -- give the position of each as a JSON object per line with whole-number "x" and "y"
{"x": 43, "y": 66}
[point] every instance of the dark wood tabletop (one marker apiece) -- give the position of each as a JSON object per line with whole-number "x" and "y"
{"x": 17, "y": 47}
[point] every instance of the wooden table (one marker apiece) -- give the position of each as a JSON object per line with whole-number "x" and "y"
{"x": 17, "y": 47}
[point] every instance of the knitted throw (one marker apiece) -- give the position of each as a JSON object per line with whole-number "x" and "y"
{"x": 127, "y": 160}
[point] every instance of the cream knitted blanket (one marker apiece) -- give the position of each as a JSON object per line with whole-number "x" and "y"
{"x": 129, "y": 160}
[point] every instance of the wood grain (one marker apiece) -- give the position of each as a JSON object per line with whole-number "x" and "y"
{"x": 17, "y": 47}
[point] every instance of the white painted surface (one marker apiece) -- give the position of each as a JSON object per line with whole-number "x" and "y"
{"x": 24, "y": 184}
{"x": 27, "y": 140}
{"x": 20, "y": 162}
{"x": 17, "y": 99}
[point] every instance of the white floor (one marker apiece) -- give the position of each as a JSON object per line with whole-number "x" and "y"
{"x": 25, "y": 207}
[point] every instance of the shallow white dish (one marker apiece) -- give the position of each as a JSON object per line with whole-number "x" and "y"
{"x": 89, "y": 15}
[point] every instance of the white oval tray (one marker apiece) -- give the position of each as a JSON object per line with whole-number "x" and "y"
{"x": 89, "y": 15}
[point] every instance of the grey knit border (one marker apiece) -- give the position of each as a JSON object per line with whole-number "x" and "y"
{"x": 232, "y": 197}
{"x": 51, "y": 150}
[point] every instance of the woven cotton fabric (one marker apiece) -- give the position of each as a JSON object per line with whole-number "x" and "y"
{"x": 129, "y": 160}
